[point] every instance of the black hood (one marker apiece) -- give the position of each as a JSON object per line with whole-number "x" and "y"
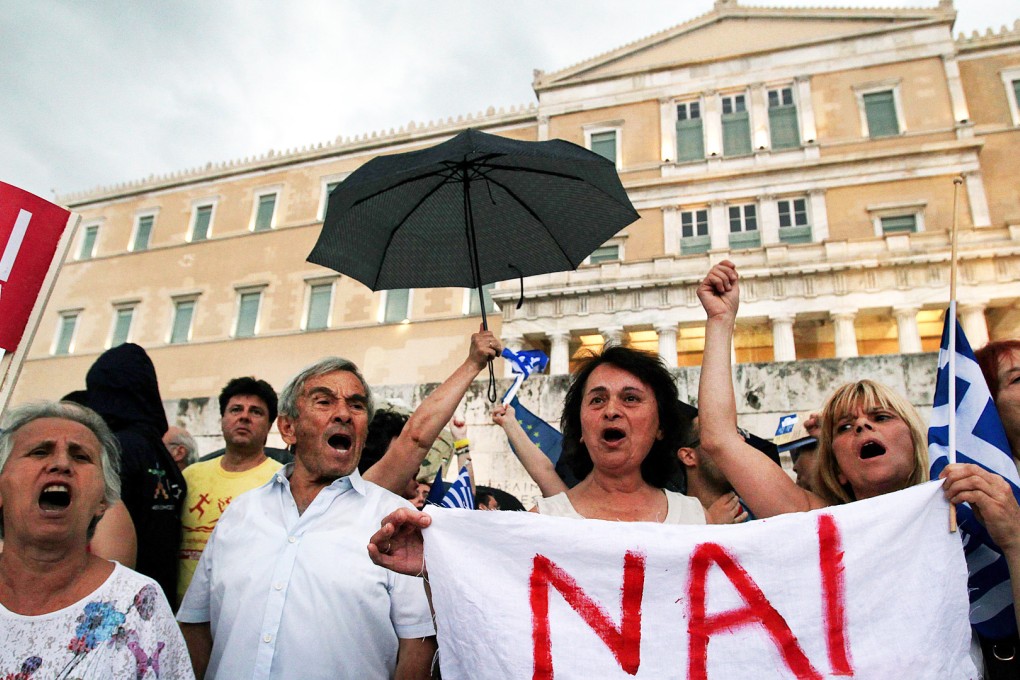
{"x": 123, "y": 389}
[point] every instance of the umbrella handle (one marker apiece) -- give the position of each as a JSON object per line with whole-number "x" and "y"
{"x": 492, "y": 384}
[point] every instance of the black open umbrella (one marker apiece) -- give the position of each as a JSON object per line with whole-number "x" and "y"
{"x": 473, "y": 210}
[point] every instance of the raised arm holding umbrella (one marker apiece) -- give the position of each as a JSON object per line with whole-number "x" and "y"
{"x": 473, "y": 210}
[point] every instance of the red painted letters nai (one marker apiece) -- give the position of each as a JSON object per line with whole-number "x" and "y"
{"x": 624, "y": 641}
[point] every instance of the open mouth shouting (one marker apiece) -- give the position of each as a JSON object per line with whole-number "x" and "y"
{"x": 612, "y": 435}
{"x": 871, "y": 449}
{"x": 339, "y": 441}
{"x": 55, "y": 497}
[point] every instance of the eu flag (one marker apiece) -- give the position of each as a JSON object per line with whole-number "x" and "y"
{"x": 546, "y": 437}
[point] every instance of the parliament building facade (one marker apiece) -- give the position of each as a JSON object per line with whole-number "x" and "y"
{"x": 819, "y": 149}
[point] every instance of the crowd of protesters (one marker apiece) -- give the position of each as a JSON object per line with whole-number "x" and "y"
{"x": 261, "y": 552}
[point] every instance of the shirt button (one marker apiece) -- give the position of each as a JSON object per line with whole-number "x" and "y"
{"x": 278, "y": 586}
{"x": 292, "y": 539}
{"x": 267, "y": 638}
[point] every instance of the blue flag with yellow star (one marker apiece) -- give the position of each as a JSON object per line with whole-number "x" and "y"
{"x": 546, "y": 437}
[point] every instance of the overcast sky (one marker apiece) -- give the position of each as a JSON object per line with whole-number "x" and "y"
{"x": 98, "y": 92}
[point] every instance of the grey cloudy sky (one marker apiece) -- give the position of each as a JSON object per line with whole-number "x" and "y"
{"x": 100, "y": 92}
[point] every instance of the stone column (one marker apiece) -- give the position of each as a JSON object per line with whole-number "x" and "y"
{"x": 805, "y": 111}
{"x": 956, "y": 94}
{"x": 713, "y": 124}
{"x": 613, "y": 335}
{"x": 667, "y": 129}
{"x": 759, "y": 109}
{"x": 846, "y": 336}
{"x": 978, "y": 199}
{"x": 972, "y": 320}
{"x": 719, "y": 225}
{"x": 818, "y": 215}
{"x": 671, "y": 230}
{"x": 783, "y": 347}
{"x": 559, "y": 353}
{"x": 513, "y": 342}
{"x": 906, "y": 329}
{"x": 768, "y": 219}
{"x": 667, "y": 343}
{"x": 543, "y": 128}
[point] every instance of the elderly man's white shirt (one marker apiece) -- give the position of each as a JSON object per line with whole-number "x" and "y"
{"x": 296, "y": 596}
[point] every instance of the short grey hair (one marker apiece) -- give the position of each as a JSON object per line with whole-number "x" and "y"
{"x": 109, "y": 448}
{"x": 290, "y": 394}
{"x": 183, "y": 438}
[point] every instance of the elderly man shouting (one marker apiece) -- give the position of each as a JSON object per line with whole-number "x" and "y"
{"x": 284, "y": 588}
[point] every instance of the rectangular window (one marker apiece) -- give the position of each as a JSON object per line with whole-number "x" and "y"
{"x": 203, "y": 216}
{"x": 1016, "y": 92}
{"x": 320, "y": 301}
{"x": 122, "y": 325}
{"x": 396, "y": 305}
{"x": 694, "y": 236}
{"x": 264, "y": 213}
{"x": 474, "y": 307}
{"x": 736, "y": 124}
{"x": 247, "y": 314}
{"x": 899, "y": 224}
{"x": 65, "y": 333}
{"x": 604, "y": 144}
{"x": 88, "y": 243}
{"x": 690, "y": 134}
{"x": 607, "y": 253}
{"x": 325, "y": 199}
{"x": 794, "y": 226}
{"x": 744, "y": 226}
{"x": 783, "y": 119}
{"x": 880, "y": 109}
{"x": 143, "y": 232}
{"x": 184, "y": 310}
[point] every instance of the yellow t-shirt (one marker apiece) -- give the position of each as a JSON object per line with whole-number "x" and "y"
{"x": 210, "y": 490}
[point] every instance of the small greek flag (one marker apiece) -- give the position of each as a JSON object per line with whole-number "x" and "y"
{"x": 458, "y": 494}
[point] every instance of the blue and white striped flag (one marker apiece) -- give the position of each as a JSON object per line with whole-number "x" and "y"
{"x": 980, "y": 439}
{"x": 523, "y": 364}
{"x": 459, "y": 495}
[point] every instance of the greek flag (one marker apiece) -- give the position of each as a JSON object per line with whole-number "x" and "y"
{"x": 980, "y": 439}
{"x": 458, "y": 494}
{"x": 523, "y": 364}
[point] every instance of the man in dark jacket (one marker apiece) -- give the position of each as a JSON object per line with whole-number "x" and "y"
{"x": 123, "y": 389}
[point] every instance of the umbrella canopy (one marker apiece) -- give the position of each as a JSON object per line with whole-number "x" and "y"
{"x": 418, "y": 219}
{"x": 473, "y": 210}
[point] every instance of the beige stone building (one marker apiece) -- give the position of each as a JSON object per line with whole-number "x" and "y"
{"x": 817, "y": 148}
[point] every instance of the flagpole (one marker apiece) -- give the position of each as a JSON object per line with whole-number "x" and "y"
{"x": 957, "y": 182}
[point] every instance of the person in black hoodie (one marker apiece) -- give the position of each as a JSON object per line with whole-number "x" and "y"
{"x": 123, "y": 389}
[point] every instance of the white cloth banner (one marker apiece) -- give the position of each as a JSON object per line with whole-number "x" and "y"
{"x": 874, "y": 589}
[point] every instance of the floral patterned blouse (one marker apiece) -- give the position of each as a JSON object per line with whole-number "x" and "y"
{"x": 124, "y": 629}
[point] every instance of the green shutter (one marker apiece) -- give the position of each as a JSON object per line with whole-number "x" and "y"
{"x": 203, "y": 216}
{"x": 319, "y": 302}
{"x": 880, "y": 108}
{"x": 604, "y": 144}
{"x": 122, "y": 327}
{"x": 247, "y": 314}
{"x": 736, "y": 134}
{"x": 396, "y": 305}
{"x": 183, "y": 312}
{"x": 783, "y": 127}
{"x": 690, "y": 140}
{"x": 67, "y": 325}
{"x": 899, "y": 224}
{"x": 264, "y": 216}
{"x": 88, "y": 243}
{"x": 143, "y": 233}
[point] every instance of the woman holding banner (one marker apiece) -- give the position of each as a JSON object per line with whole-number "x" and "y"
{"x": 871, "y": 442}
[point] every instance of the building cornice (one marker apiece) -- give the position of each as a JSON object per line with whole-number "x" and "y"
{"x": 414, "y": 133}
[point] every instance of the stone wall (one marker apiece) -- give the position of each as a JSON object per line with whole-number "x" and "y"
{"x": 764, "y": 391}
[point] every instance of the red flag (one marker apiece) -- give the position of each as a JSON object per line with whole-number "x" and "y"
{"x": 30, "y": 230}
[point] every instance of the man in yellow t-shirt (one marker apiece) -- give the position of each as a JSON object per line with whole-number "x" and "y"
{"x": 247, "y": 411}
